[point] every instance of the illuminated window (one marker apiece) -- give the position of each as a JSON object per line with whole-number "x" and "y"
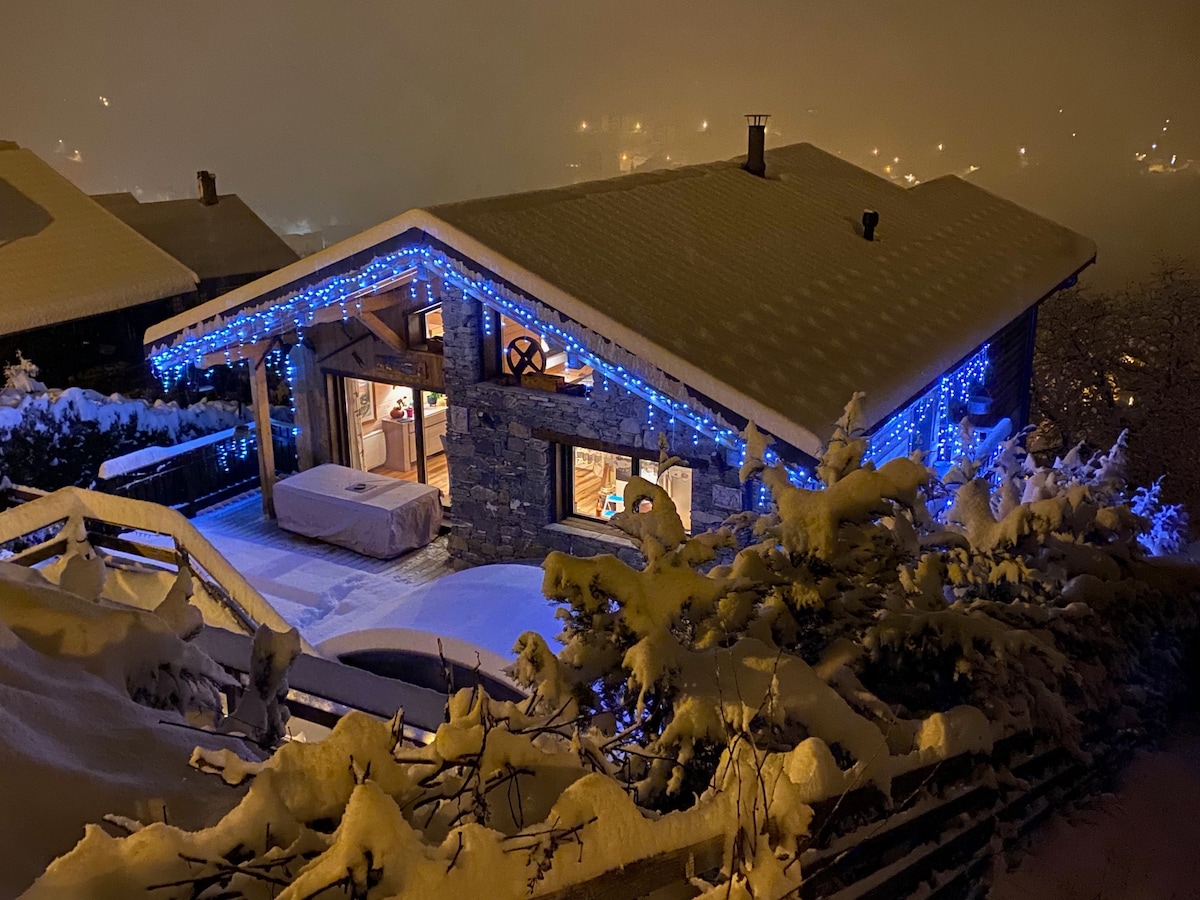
{"x": 532, "y": 350}
{"x": 598, "y": 480}
{"x": 432, "y": 323}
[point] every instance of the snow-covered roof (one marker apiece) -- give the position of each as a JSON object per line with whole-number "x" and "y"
{"x": 219, "y": 240}
{"x": 759, "y": 293}
{"x": 62, "y": 257}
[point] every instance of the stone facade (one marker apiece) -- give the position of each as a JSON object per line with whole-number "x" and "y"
{"x": 503, "y": 468}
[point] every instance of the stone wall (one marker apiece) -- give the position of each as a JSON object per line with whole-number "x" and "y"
{"x": 503, "y": 469}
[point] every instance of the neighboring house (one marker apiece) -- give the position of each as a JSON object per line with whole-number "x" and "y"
{"x": 82, "y": 278}
{"x": 78, "y": 287}
{"x": 666, "y": 307}
{"x": 217, "y": 236}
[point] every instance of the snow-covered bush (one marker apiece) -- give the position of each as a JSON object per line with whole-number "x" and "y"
{"x": 871, "y": 628}
{"x": 52, "y": 438}
{"x": 1168, "y": 528}
{"x": 133, "y": 650}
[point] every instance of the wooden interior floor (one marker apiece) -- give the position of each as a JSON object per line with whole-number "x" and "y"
{"x": 437, "y": 474}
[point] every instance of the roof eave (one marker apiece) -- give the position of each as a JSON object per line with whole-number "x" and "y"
{"x": 537, "y": 287}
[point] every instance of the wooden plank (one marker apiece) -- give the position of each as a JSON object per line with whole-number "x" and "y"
{"x": 40, "y": 552}
{"x": 133, "y": 548}
{"x": 261, "y": 403}
{"x": 336, "y": 682}
{"x": 382, "y": 330}
{"x": 643, "y": 876}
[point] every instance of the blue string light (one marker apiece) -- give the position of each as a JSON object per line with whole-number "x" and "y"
{"x": 250, "y": 326}
{"x": 929, "y": 422}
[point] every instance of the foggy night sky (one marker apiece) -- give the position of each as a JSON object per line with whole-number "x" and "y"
{"x": 356, "y": 110}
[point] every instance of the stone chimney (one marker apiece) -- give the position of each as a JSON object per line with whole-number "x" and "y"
{"x": 756, "y": 163}
{"x": 207, "y": 183}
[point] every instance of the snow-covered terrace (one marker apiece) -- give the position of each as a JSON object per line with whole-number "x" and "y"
{"x": 328, "y": 592}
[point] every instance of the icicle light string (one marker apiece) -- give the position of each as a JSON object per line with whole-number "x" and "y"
{"x": 247, "y": 328}
{"x": 299, "y": 311}
{"x": 929, "y": 419}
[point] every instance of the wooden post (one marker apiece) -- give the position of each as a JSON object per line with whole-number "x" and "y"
{"x": 308, "y": 399}
{"x": 260, "y": 400}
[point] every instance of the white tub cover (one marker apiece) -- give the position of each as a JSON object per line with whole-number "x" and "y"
{"x": 370, "y": 514}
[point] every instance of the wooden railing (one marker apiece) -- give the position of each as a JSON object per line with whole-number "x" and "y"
{"x": 204, "y": 472}
{"x": 323, "y": 690}
{"x": 36, "y": 527}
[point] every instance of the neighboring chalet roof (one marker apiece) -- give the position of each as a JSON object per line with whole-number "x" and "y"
{"x": 759, "y": 293}
{"x": 221, "y": 240}
{"x": 63, "y": 257}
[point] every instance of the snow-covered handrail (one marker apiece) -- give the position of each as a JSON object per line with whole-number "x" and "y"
{"x": 148, "y": 457}
{"x": 140, "y": 515}
{"x": 151, "y": 456}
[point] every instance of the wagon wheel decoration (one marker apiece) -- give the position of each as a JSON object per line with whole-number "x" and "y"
{"x": 525, "y": 354}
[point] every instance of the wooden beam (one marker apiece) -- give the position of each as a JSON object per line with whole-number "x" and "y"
{"x": 31, "y": 556}
{"x": 261, "y": 404}
{"x": 381, "y": 330}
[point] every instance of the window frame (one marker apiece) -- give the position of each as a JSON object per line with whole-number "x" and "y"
{"x": 564, "y": 473}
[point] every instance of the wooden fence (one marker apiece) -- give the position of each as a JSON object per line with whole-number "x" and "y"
{"x": 937, "y": 833}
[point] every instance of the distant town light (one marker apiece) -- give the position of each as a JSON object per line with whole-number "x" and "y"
{"x": 875, "y": 152}
{"x": 1022, "y": 151}
{"x": 1154, "y": 146}
{"x": 103, "y": 100}
{"x": 895, "y": 160}
{"x": 704, "y": 125}
{"x": 583, "y": 126}
{"x": 941, "y": 147}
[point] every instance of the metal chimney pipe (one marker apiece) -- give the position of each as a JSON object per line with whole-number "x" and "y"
{"x": 870, "y": 222}
{"x": 207, "y": 183}
{"x": 756, "y": 163}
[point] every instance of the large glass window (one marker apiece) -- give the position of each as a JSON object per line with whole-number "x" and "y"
{"x": 529, "y": 350}
{"x": 598, "y": 481}
{"x": 389, "y": 426}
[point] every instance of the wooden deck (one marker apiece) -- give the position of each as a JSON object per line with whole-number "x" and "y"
{"x": 242, "y": 519}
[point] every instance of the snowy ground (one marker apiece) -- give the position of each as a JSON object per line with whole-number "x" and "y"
{"x": 73, "y": 747}
{"x": 487, "y": 606}
{"x": 328, "y": 592}
{"x": 1141, "y": 843}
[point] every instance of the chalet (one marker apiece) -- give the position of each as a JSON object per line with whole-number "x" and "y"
{"x": 217, "y": 236}
{"x": 81, "y": 278}
{"x": 530, "y": 353}
{"x": 77, "y": 286}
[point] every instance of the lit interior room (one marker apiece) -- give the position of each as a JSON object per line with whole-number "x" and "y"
{"x": 394, "y": 424}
